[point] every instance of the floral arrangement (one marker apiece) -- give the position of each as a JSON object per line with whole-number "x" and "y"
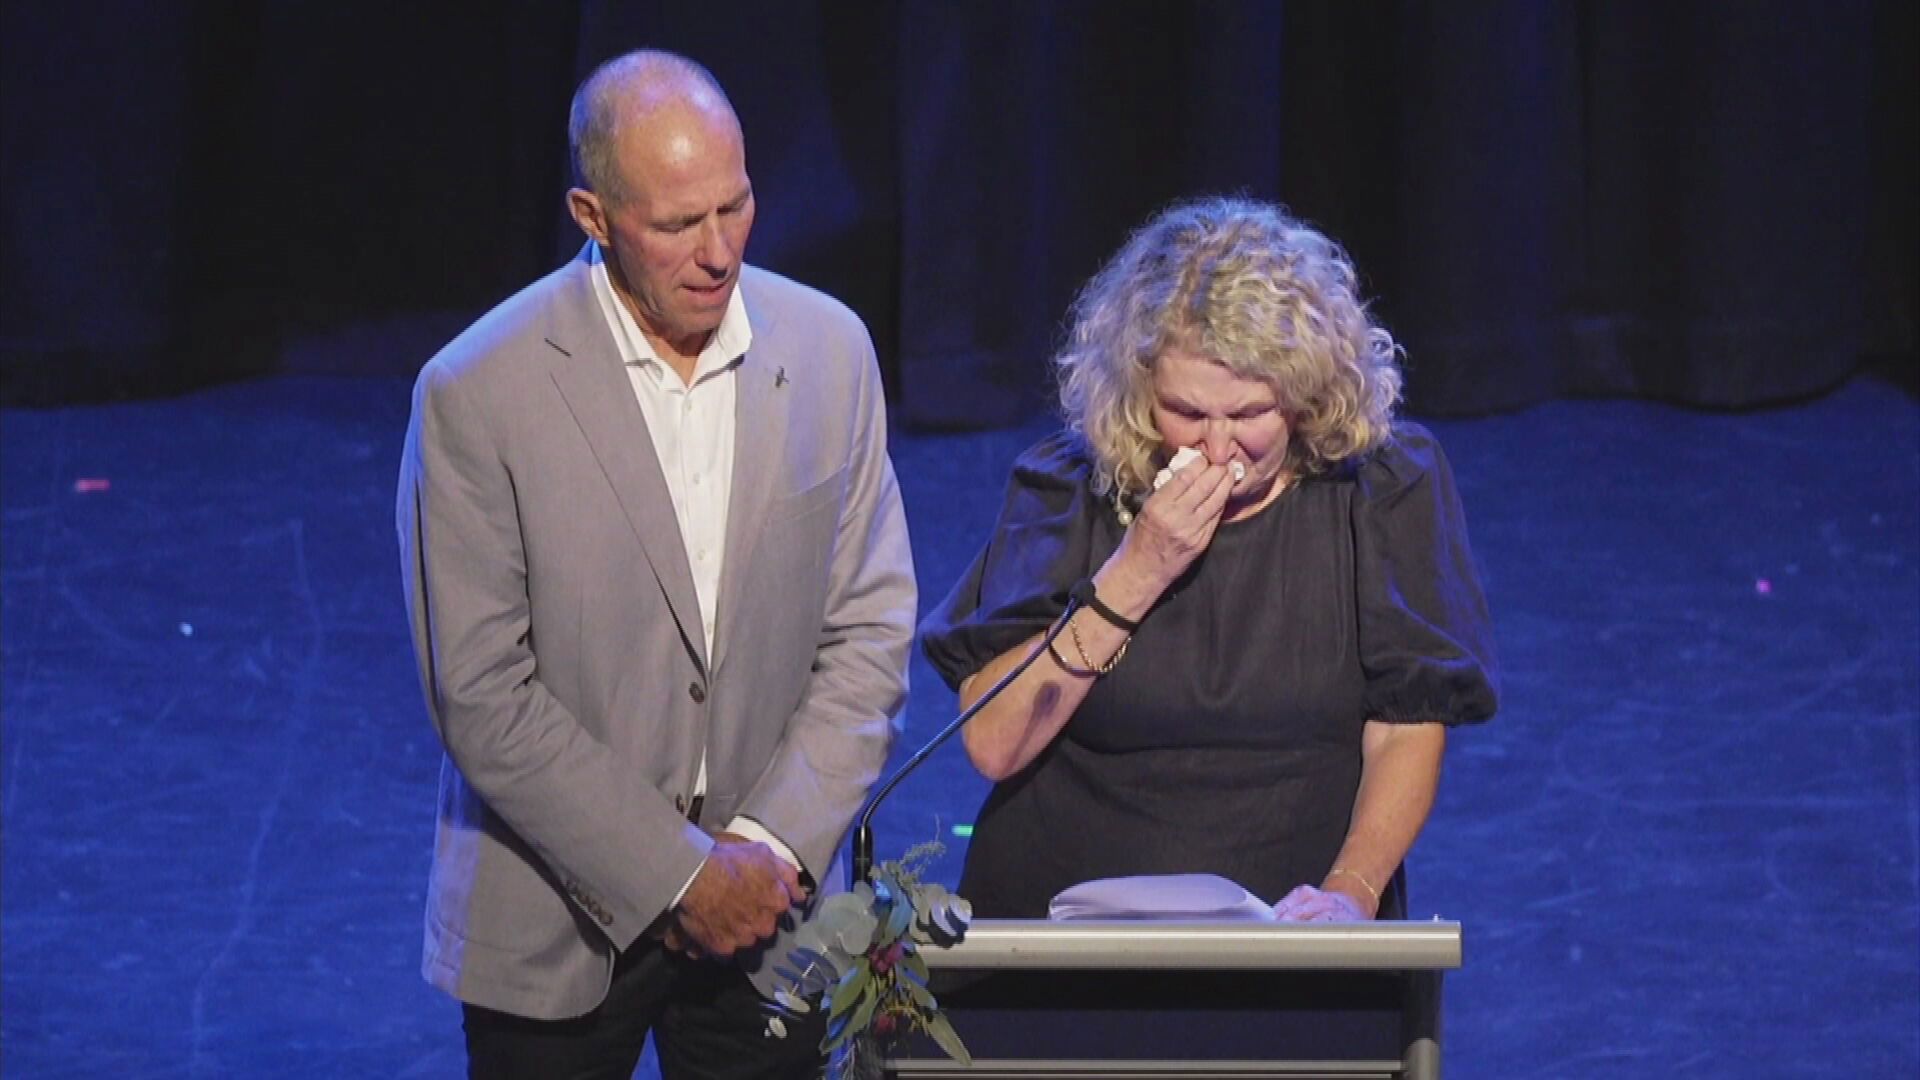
{"x": 859, "y": 958}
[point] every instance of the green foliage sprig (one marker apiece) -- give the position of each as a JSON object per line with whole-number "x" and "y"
{"x": 859, "y": 958}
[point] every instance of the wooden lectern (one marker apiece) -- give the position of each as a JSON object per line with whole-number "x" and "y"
{"x": 1202, "y": 1000}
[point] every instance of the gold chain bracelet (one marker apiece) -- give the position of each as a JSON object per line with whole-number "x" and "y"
{"x": 1078, "y": 673}
{"x": 1357, "y": 876}
{"x": 1097, "y": 669}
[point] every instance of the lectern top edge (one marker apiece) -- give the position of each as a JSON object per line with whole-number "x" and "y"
{"x": 1034, "y": 944}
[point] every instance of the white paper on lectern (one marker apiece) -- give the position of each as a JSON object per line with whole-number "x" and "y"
{"x": 1160, "y": 896}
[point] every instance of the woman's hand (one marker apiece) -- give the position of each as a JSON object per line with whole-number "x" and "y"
{"x": 1174, "y": 526}
{"x": 1308, "y": 904}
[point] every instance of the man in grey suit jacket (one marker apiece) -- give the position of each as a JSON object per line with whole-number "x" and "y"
{"x": 661, "y": 598}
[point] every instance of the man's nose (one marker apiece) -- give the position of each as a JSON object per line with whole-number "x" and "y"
{"x": 714, "y": 252}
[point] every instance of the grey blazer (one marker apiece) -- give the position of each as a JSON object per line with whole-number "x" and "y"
{"x": 559, "y": 639}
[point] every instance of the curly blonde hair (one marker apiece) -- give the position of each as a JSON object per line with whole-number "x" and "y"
{"x": 1243, "y": 283}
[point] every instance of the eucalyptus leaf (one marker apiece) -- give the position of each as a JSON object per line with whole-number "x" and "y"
{"x": 837, "y": 1033}
{"x": 859, "y": 1059}
{"x": 819, "y": 983}
{"x": 926, "y": 900}
{"x": 898, "y": 919}
{"x": 940, "y": 918}
{"x": 855, "y": 934}
{"x": 817, "y": 971}
{"x": 956, "y": 913}
{"x": 914, "y": 967}
{"x": 840, "y": 905}
{"x": 852, "y": 1025}
{"x": 929, "y": 896}
{"x": 857, "y": 980}
{"x": 949, "y": 1039}
{"x": 863, "y": 1016}
{"x": 829, "y": 965}
{"x": 952, "y": 917}
{"x": 844, "y": 922}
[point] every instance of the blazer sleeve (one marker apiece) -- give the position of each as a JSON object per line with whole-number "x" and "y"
{"x": 617, "y": 848}
{"x": 837, "y": 739}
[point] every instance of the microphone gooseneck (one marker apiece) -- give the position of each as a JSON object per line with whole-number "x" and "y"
{"x": 1078, "y": 596}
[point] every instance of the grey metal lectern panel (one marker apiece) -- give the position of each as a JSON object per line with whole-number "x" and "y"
{"x": 1130, "y": 998}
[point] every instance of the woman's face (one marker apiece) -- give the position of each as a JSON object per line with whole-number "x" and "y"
{"x": 1199, "y": 403}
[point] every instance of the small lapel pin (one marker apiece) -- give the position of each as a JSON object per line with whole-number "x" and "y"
{"x": 780, "y": 377}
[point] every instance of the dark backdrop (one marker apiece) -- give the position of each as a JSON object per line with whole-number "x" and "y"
{"x": 1698, "y": 201}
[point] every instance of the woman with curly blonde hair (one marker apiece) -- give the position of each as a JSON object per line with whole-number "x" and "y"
{"x": 1284, "y": 615}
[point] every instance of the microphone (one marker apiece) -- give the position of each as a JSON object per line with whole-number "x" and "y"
{"x": 1077, "y": 597}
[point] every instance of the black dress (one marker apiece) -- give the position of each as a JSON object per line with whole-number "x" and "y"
{"x": 1227, "y": 740}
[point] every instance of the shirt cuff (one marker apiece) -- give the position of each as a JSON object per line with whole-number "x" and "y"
{"x": 685, "y": 885}
{"x": 753, "y": 830}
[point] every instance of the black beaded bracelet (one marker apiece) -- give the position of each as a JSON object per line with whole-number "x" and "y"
{"x": 1085, "y": 594}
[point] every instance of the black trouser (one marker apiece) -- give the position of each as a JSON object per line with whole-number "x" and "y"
{"x": 706, "y": 1019}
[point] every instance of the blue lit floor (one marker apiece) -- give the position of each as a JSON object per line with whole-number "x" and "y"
{"x": 1686, "y": 848}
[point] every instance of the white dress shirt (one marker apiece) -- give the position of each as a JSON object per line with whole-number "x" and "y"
{"x": 692, "y": 425}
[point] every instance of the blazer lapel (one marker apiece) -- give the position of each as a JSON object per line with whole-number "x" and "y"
{"x": 760, "y": 438}
{"x": 594, "y": 383}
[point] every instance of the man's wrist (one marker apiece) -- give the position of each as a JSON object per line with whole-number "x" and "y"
{"x": 685, "y": 885}
{"x": 744, "y": 826}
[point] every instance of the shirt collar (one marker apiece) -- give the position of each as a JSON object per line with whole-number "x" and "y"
{"x": 728, "y": 344}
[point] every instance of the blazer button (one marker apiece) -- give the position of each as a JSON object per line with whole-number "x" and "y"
{"x": 697, "y": 692}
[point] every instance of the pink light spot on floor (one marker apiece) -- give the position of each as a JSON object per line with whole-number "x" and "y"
{"x": 88, "y": 485}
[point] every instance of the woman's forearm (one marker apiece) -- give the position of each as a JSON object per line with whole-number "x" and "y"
{"x": 1399, "y": 774}
{"x": 1012, "y": 730}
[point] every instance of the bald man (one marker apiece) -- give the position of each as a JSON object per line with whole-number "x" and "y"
{"x": 661, "y": 598}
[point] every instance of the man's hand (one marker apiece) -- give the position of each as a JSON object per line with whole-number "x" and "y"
{"x": 736, "y": 899}
{"x": 725, "y": 837}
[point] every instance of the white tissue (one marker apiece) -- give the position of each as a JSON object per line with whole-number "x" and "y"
{"x": 1180, "y": 460}
{"x": 1187, "y": 454}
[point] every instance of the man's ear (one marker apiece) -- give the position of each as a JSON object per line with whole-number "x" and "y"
{"x": 589, "y": 213}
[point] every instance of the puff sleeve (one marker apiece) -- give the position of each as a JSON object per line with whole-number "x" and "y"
{"x": 1426, "y": 640}
{"x": 1042, "y": 543}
